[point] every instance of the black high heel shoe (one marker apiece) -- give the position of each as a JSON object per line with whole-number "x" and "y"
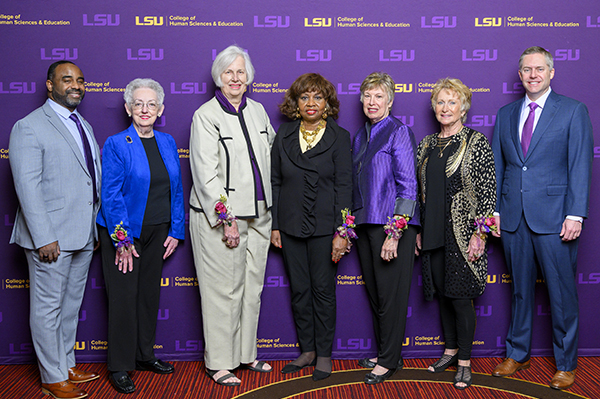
{"x": 443, "y": 363}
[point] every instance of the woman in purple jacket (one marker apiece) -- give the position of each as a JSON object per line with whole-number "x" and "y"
{"x": 386, "y": 215}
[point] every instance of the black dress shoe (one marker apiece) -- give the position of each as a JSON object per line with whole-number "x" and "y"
{"x": 156, "y": 366}
{"x": 376, "y": 379}
{"x": 121, "y": 383}
{"x": 319, "y": 375}
{"x": 367, "y": 363}
{"x": 292, "y": 368}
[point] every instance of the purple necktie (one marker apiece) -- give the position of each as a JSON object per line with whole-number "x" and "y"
{"x": 528, "y": 128}
{"x": 89, "y": 160}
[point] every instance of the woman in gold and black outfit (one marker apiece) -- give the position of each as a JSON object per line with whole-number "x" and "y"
{"x": 457, "y": 187}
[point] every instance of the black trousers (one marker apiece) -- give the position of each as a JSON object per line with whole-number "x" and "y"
{"x": 458, "y": 314}
{"x": 133, "y": 298}
{"x": 388, "y": 288}
{"x": 312, "y": 282}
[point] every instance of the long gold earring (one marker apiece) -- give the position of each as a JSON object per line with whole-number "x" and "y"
{"x": 325, "y": 114}
{"x": 297, "y": 112}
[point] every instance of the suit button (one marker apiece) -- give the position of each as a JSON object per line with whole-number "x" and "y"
{"x": 89, "y": 183}
{"x": 524, "y": 168}
{"x": 89, "y": 202}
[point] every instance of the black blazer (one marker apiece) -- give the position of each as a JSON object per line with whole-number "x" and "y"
{"x": 310, "y": 189}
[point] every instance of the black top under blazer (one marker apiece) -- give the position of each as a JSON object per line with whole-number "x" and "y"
{"x": 310, "y": 189}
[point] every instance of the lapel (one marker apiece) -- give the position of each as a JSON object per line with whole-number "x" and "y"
{"x": 548, "y": 113}
{"x": 515, "y": 115}
{"x": 291, "y": 145}
{"x": 58, "y": 124}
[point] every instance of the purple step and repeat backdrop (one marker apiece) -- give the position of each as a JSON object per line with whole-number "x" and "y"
{"x": 175, "y": 42}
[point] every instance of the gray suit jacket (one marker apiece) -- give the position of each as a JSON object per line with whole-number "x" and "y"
{"x": 52, "y": 183}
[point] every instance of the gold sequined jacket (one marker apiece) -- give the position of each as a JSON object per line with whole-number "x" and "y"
{"x": 470, "y": 193}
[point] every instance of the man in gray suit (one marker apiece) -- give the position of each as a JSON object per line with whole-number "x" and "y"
{"x": 55, "y": 163}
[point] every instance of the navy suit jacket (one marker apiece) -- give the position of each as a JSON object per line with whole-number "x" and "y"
{"x": 126, "y": 182}
{"x": 554, "y": 179}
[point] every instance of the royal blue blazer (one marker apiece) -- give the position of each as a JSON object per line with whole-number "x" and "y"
{"x": 126, "y": 182}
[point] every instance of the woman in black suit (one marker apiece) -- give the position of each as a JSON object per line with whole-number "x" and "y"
{"x": 312, "y": 184}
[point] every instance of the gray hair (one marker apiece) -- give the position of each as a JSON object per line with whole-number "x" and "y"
{"x": 537, "y": 50}
{"x": 378, "y": 80}
{"x": 145, "y": 83}
{"x": 226, "y": 58}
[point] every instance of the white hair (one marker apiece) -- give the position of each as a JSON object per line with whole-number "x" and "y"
{"x": 226, "y": 58}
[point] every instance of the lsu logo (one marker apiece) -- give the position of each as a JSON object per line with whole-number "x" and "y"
{"x": 404, "y": 88}
{"x": 313, "y": 55}
{"x": 517, "y": 88}
{"x": 97, "y": 284}
{"x": 408, "y": 120}
{"x": 59, "y": 54}
{"x": 190, "y": 346}
{"x": 276, "y": 281}
{"x": 481, "y": 311}
{"x": 164, "y": 282}
{"x": 397, "y": 55}
{"x": 163, "y": 314}
{"x": 102, "y": 20}
{"x": 480, "y": 55}
{"x": 214, "y": 53}
{"x": 145, "y": 54}
{"x": 79, "y": 345}
{"x": 149, "y": 21}
{"x": 20, "y": 349}
{"x": 482, "y": 120}
{"x": 188, "y": 88}
{"x": 317, "y": 23}
{"x": 17, "y": 88}
{"x": 439, "y": 22}
{"x": 592, "y": 278}
{"x": 488, "y": 22}
{"x": 566, "y": 54}
{"x": 351, "y": 88}
{"x": 354, "y": 343}
{"x": 591, "y": 23}
{"x": 272, "y": 21}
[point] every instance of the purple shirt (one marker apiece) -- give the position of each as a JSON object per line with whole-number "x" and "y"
{"x": 384, "y": 172}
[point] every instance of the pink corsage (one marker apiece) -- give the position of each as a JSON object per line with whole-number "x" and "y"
{"x": 120, "y": 237}
{"x": 223, "y": 212}
{"x": 484, "y": 225}
{"x": 396, "y": 226}
{"x": 346, "y": 230}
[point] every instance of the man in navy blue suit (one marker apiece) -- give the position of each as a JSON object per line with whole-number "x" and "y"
{"x": 543, "y": 149}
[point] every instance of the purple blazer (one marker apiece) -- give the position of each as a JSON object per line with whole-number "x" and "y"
{"x": 384, "y": 172}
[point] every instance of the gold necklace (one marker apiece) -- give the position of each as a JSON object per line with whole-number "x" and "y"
{"x": 310, "y": 136}
{"x": 441, "y": 154}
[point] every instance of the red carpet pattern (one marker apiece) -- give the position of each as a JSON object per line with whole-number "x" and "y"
{"x": 190, "y": 382}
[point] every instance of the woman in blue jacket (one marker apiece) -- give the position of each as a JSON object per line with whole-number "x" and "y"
{"x": 141, "y": 221}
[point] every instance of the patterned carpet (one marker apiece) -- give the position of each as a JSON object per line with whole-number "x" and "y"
{"x": 190, "y": 381}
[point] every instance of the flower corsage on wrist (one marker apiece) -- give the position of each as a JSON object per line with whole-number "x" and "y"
{"x": 396, "y": 226}
{"x": 223, "y": 213}
{"x": 120, "y": 238}
{"x": 346, "y": 230}
{"x": 484, "y": 225}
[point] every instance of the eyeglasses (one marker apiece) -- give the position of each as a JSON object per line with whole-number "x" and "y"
{"x": 150, "y": 105}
